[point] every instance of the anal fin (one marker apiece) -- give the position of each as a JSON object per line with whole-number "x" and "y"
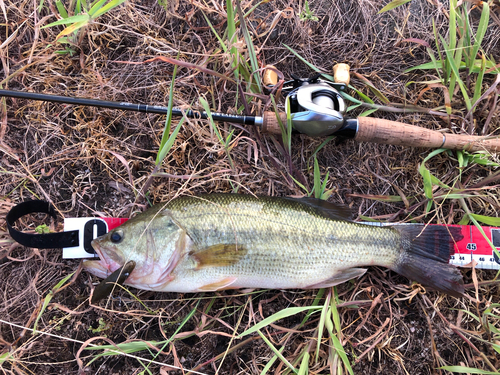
{"x": 218, "y": 285}
{"x": 338, "y": 278}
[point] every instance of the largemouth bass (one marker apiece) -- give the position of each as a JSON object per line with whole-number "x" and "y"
{"x": 225, "y": 241}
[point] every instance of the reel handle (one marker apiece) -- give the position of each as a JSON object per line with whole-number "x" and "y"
{"x": 341, "y": 74}
{"x": 397, "y": 133}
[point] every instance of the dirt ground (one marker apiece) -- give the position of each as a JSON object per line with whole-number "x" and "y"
{"x": 92, "y": 161}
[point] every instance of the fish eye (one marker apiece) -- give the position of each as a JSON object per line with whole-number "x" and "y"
{"x": 116, "y": 236}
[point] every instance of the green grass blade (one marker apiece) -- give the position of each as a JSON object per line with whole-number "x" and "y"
{"x": 61, "y": 9}
{"x": 468, "y": 370}
{"x": 441, "y": 59}
{"x": 481, "y": 30}
{"x": 426, "y": 175}
{"x": 67, "y": 21}
{"x": 72, "y": 28}
{"x": 327, "y": 76}
{"x": 341, "y": 352}
{"x": 492, "y": 221}
{"x": 5, "y": 357}
{"x": 447, "y": 64}
{"x": 137, "y": 346}
{"x": 168, "y": 121}
{"x": 309, "y": 193}
{"x": 452, "y": 29}
{"x": 434, "y": 179}
{"x": 483, "y": 159}
{"x": 474, "y": 221}
{"x": 206, "y": 107}
{"x": 231, "y": 26}
{"x": 289, "y": 126}
{"x": 270, "y": 363}
{"x": 162, "y": 152}
{"x": 48, "y": 298}
{"x": 451, "y": 62}
{"x": 277, "y": 352}
{"x": 393, "y": 4}
{"x": 465, "y": 32}
{"x": 221, "y": 41}
{"x": 98, "y": 4}
{"x": 317, "y": 179}
{"x": 426, "y": 66}
{"x": 224, "y": 143}
{"x": 335, "y": 312}
{"x": 250, "y": 47}
{"x": 479, "y": 81}
{"x": 304, "y": 364}
{"x": 316, "y": 301}
{"x": 108, "y": 7}
{"x": 368, "y": 112}
{"x": 321, "y": 325}
{"x": 337, "y": 345}
{"x": 364, "y": 97}
{"x": 323, "y": 144}
{"x": 232, "y": 36}
{"x": 325, "y": 194}
{"x": 78, "y": 7}
{"x": 285, "y": 313}
{"x": 434, "y": 153}
{"x": 453, "y": 77}
{"x": 429, "y": 180}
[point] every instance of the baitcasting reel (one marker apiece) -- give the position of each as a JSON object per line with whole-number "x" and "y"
{"x": 316, "y": 106}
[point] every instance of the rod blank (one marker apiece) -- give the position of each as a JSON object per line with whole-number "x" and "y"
{"x": 145, "y": 108}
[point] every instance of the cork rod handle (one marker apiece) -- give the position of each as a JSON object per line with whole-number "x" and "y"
{"x": 270, "y": 123}
{"x": 396, "y": 133}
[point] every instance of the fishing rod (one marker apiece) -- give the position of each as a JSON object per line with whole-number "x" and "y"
{"x": 317, "y": 109}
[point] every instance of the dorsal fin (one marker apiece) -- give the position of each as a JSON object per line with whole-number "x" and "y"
{"x": 330, "y": 210}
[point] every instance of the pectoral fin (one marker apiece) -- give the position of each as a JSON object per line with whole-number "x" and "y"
{"x": 107, "y": 285}
{"x": 218, "y": 255}
{"x": 218, "y": 285}
{"x": 338, "y": 278}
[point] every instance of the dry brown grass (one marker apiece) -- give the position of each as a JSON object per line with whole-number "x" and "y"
{"x": 68, "y": 155}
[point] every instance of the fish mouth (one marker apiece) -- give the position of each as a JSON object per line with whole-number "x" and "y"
{"x": 104, "y": 266}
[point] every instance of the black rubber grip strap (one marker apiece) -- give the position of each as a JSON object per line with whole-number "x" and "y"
{"x": 40, "y": 241}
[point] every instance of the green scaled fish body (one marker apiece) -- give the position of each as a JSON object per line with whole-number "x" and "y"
{"x": 221, "y": 241}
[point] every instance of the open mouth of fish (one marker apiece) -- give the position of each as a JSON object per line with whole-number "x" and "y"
{"x": 102, "y": 267}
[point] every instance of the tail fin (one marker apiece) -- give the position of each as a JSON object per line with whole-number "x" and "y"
{"x": 425, "y": 254}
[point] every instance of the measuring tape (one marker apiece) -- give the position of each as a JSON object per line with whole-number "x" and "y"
{"x": 79, "y": 233}
{"x": 473, "y": 246}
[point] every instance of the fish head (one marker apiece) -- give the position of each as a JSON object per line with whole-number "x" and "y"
{"x": 150, "y": 239}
